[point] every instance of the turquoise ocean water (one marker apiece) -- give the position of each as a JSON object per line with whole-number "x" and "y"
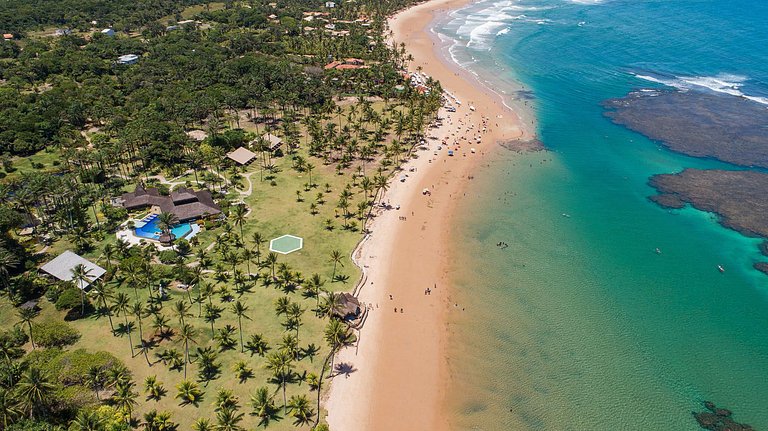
{"x": 580, "y": 324}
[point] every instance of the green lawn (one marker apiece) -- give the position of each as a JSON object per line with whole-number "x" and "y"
{"x": 275, "y": 210}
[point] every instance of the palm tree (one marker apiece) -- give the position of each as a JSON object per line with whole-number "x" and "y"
{"x": 281, "y": 305}
{"x": 212, "y": 313}
{"x": 281, "y": 365}
{"x": 315, "y": 284}
{"x": 81, "y": 276}
{"x": 263, "y": 405}
{"x": 187, "y": 333}
{"x": 310, "y": 167}
{"x": 153, "y": 388}
{"x": 181, "y": 309}
{"x": 95, "y": 378}
{"x": 128, "y": 329}
{"x": 300, "y": 409}
{"x": 337, "y": 335}
{"x": 189, "y": 393}
{"x": 238, "y": 216}
{"x": 257, "y": 345}
{"x": 228, "y": 420}
{"x": 34, "y": 391}
{"x": 8, "y": 261}
{"x": 336, "y": 257}
{"x": 258, "y": 241}
{"x": 9, "y": 407}
{"x": 108, "y": 252}
{"x": 124, "y": 397}
{"x": 242, "y": 371}
{"x": 165, "y": 221}
{"x": 239, "y": 310}
{"x": 87, "y": 420}
{"x": 121, "y": 304}
{"x": 27, "y": 315}
{"x": 139, "y": 311}
{"x": 202, "y": 424}
{"x": 102, "y": 293}
{"x": 271, "y": 261}
{"x": 154, "y": 421}
{"x": 294, "y": 313}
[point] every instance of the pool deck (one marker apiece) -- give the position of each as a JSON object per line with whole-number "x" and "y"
{"x": 129, "y": 236}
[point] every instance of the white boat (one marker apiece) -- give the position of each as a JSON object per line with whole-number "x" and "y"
{"x": 720, "y": 268}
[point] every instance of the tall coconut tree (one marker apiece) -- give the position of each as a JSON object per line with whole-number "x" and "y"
{"x": 336, "y": 258}
{"x": 258, "y": 241}
{"x": 124, "y": 397}
{"x": 280, "y": 363}
{"x": 103, "y": 293}
{"x": 27, "y": 315}
{"x": 82, "y": 277}
{"x": 187, "y": 334}
{"x": 239, "y": 309}
{"x": 238, "y": 216}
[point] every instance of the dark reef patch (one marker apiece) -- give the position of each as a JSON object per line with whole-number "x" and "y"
{"x": 738, "y": 197}
{"x": 718, "y": 419}
{"x": 728, "y": 128}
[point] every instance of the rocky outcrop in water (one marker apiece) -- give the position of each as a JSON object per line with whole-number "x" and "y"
{"x": 738, "y": 197}
{"x": 728, "y": 128}
{"x": 718, "y": 419}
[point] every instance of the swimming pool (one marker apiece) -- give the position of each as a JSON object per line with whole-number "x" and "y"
{"x": 148, "y": 228}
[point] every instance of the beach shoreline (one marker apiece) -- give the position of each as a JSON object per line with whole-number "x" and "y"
{"x": 399, "y": 368}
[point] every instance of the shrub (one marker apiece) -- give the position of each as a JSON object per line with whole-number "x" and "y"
{"x": 167, "y": 256}
{"x": 69, "y": 299}
{"x": 72, "y": 367}
{"x": 15, "y": 337}
{"x": 55, "y": 334}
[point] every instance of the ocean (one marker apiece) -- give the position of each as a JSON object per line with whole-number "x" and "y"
{"x": 605, "y": 311}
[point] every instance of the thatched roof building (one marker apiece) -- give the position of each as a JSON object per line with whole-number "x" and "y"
{"x": 184, "y": 203}
{"x": 347, "y": 307}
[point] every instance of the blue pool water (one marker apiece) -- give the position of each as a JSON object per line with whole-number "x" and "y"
{"x": 152, "y": 231}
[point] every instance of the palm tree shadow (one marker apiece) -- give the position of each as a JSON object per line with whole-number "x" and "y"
{"x": 344, "y": 368}
{"x": 273, "y": 415}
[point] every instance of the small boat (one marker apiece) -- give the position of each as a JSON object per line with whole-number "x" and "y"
{"x": 566, "y": 215}
{"x": 720, "y": 268}
{"x": 657, "y": 251}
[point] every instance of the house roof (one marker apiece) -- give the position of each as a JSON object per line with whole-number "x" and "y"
{"x": 62, "y": 265}
{"x": 184, "y": 203}
{"x": 272, "y": 140}
{"x": 346, "y": 306}
{"x": 197, "y": 135}
{"x": 242, "y": 155}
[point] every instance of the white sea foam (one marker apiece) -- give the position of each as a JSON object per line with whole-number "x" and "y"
{"x": 723, "y": 83}
{"x": 491, "y": 19}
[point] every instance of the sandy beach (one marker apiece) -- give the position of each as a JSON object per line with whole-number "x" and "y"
{"x": 399, "y": 366}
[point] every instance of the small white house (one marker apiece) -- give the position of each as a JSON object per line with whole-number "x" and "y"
{"x": 330, "y": 4}
{"x": 128, "y": 59}
{"x": 108, "y": 32}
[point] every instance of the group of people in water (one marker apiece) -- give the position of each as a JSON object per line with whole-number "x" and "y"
{"x": 502, "y": 245}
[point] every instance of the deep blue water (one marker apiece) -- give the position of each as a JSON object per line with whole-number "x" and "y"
{"x": 588, "y": 328}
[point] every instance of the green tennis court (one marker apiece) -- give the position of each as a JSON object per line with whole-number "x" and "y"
{"x": 286, "y": 244}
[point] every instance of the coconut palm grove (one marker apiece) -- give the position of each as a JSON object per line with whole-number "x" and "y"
{"x": 151, "y": 152}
